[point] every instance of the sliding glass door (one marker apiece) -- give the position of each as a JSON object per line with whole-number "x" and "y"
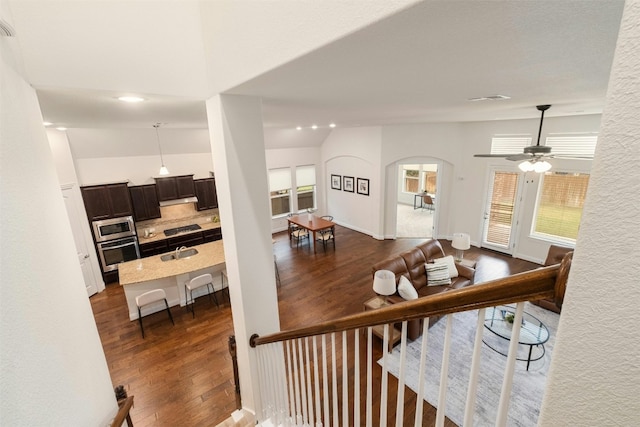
{"x": 500, "y": 210}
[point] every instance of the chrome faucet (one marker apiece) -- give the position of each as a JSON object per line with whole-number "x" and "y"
{"x": 178, "y": 250}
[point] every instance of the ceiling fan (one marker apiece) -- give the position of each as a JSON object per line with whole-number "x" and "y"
{"x": 534, "y": 156}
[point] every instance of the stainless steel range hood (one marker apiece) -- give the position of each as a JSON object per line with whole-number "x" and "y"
{"x": 179, "y": 201}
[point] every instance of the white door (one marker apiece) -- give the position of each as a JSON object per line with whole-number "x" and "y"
{"x": 500, "y": 210}
{"x": 81, "y": 247}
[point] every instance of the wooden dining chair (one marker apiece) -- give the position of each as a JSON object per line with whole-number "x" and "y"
{"x": 428, "y": 202}
{"x": 326, "y": 236}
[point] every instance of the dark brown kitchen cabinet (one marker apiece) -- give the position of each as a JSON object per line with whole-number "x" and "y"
{"x": 153, "y": 248}
{"x": 175, "y": 187}
{"x": 206, "y": 193}
{"x": 107, "y": 201}
{"x": 145, "y": 202}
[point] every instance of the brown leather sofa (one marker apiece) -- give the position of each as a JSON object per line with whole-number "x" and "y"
{"x": 411, "y": 265}
{"x": 554, "y": 256}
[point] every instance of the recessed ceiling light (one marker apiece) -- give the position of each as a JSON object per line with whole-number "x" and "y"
{"x": 299, "y": 128}
{"x": 61, "y": 128}
{"x": 130, "y": 99}
{"x": 47, "y": 123}
{"x": 332, "y": 125}
{"x": 314, "y": 127}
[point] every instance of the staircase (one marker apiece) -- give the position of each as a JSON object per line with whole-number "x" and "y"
{"x": 323, "y": 374}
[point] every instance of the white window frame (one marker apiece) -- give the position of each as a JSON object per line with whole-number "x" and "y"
{"x": 280, "y": 181}
{"x": 306, "y": 177}
{"x": 550, "y": 238}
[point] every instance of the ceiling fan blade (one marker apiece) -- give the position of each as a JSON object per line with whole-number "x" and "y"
{"x": 492, "y": 155}
{"x": 516, "y": 157}
{"x": 572, "y": 157}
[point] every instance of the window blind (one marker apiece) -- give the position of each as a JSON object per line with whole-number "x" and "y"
{"x": 576, "y": 145}
{"x": 305, "y": 175}
{"x": 503, "y": 194}
{"x": 509, "y": 145}
{"x": 279, "y": 179}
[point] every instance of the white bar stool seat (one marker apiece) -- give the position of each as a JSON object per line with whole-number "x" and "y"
{"x": 151, "y": 297}
{"x": 197, "y": 283}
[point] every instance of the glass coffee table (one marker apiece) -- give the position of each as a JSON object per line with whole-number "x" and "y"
{"x": 533, "y": 332}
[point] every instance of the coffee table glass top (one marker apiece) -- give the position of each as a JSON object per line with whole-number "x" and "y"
{"x": 533, "y": 331}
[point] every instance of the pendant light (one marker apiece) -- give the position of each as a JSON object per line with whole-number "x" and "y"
{"x": 163, "y": 168}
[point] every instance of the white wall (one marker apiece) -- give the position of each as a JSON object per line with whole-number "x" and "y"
{"x": 593, "y": 378}
{"x": 53, "y": 370}
{"x": 354, "y": 152}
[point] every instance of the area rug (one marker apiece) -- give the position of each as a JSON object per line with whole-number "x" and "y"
{"x": 528, "y": 386}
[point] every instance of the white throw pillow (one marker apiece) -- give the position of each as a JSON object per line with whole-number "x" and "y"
{"x": 437, "y": 274}
{"x": 451, "y": 264}
{"x": 406, "y": 289}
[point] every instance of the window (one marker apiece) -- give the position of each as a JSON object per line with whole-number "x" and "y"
{"x": 280, "y": 189}
{"x": 411, "y": 178}
{"x": 559, "y": 206}
{"x": 510, "y": 144}
{"x": 306, "y": 187}
{"x": 575, "y": 145}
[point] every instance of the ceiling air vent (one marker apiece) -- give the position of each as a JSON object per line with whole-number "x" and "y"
{"x": 490, "y": 98}
{"x": 6, "y": 30}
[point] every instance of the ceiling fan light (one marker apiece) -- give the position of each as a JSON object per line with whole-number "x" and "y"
{"x": 526, "y": 166}
{"x": 541, "y": 166}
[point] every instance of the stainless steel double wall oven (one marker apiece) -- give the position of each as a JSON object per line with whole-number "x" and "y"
{"x": 116, "y": 241}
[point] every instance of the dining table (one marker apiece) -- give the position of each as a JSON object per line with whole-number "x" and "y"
{"x": 312, "y": 223}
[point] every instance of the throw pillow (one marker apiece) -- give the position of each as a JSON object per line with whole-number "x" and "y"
{"x": 451, "y": 264}
{"x": 437, "y": 274}
{"x": 406, "y": 289}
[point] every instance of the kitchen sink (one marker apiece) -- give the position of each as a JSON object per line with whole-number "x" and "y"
{"x": 182, "y": 254}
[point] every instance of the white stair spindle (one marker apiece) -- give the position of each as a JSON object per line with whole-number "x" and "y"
{"x": 475, "y": 371}
{"x": 309, "y": 392}
{"x": 345, "y": 381}
{"x": 422, "y": 373}
{"x": 507, "y": 381}
{"x": 369, "y": 417}
{"x": 325, "y": 381}
{"x": 303, "y": 382}
{"x": 298, "y": 412}
{"x": 356, "y": 377}
{"x": 400, "y": 397}
{"x": 292, "y": 406}
{"x": 444, "y": 374}
{"x": 334, "y": 378}
{"x": 385, "y": 379}
{"x": 316, "y": 381}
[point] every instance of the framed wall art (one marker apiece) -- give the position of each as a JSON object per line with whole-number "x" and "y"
{"x": 347, "y": 184}
{"x": 336, "y": 182}
{"x": 363, "y": 186}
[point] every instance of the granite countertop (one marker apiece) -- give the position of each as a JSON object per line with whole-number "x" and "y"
{"x": 153, "y": 268}
{"x": 159, "y": 235}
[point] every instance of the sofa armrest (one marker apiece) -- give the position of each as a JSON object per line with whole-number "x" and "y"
{"x": 466, "y": 271}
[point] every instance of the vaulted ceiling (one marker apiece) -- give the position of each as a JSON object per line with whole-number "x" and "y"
{"x": 421, "y": 64}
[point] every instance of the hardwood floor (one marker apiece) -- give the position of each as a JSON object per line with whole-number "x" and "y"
{"x": 182, "y": 375}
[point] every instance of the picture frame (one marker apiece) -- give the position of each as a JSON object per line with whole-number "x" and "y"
{"x": 363, "y": 186}
{"x": 336, "y": 182}
{"x": 347, "y": 184}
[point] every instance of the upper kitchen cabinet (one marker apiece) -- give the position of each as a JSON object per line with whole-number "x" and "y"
{"x": 206, "y": 193}
{"x": 145, "y": 202}
{"x": 175, "y": 187}
{"x": 107, "y": 201}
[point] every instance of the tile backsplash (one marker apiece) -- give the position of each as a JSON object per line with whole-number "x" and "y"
{"x": 176, "y": 216}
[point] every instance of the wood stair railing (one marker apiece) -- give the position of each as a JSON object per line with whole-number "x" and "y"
{"x": 291, "y": 392}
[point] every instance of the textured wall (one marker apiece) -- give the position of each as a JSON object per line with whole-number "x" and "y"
{"x": 595, "y": 370}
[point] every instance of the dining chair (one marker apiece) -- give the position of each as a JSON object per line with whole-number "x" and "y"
{"x": 298, "y": 234}
{"x": 428, "y": 202}
{"x": 326, "y": 236}
{"x": 151, "y": 297}
{"x": 204, "y": 280}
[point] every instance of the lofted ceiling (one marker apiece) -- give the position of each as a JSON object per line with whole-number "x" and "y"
{"x": 422, "y": 64}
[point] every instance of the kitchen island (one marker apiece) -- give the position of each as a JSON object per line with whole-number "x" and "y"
{"x": 144, "y": 274}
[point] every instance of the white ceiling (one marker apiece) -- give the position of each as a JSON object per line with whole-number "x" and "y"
{"x": 420, "y": 65}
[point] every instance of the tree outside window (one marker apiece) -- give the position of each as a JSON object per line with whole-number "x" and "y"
{"x": 559, "y": 205}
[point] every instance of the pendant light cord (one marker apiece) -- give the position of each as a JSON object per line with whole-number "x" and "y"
{"x": 157, "y": 125}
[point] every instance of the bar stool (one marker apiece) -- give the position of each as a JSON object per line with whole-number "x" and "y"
{"x": 197, "y": 283}
{"x": 151, "y": 297}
